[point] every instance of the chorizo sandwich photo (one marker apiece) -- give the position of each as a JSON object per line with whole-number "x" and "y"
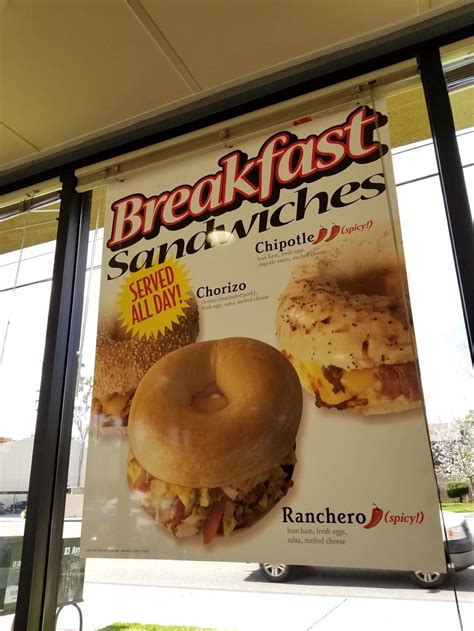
{"x": 123, "y": 359}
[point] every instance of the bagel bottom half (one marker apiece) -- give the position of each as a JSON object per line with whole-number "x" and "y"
{"x": 212, "y": 433}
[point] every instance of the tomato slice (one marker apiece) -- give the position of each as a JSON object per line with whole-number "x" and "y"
{"x": 213, "y": 521}
{"x": 142, "y": 483}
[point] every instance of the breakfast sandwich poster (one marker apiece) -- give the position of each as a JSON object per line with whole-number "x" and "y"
{"x": 256, "y": 395}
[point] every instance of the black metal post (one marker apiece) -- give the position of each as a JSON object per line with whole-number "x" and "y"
{"x": 452, "y": 179}
{"x": 43, "y": 527}
{"x": 65, "y": 430}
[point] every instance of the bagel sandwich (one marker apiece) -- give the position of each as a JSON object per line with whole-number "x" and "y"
{"x": 212, "y": 432}
{"x": 122, "y": 360}
{"x": 347, "y": 332}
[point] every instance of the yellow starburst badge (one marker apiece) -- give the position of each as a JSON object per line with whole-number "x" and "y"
{"x": 152, "y": 300}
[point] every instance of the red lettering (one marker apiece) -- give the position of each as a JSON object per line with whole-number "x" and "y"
{"x": 234, "y": 180}
{"x": 151, "y": 209}
{"x": 177, "y": 199}
{"x": 283, "y": 161}
{"x": 127, "y": 220}
{"x": 205, "y": 195}
{"x": 268, "y": 155}
{"x": 330, "y": 149}
{"x": 290, "y": 165}
{"x": 355, "y": 129}
{"x": 133, "y": 291}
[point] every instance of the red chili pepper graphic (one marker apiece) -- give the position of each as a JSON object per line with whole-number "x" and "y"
{"x": 322, "y": 233}
{"x": 377, "y": 514}
{"x": 335, "y": 230}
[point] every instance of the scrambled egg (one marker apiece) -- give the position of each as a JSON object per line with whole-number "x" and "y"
{"x": 272, "y": 485}
{"x": 134, "y": 470}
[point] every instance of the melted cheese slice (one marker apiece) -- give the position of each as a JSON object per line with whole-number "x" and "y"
{"x": 361, "y": 384}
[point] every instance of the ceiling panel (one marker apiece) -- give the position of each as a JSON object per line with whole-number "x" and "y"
{"x": 12, "y": 147}
{"x": 436, "y": 4}
{"x": 76, "y": 69}
{"x": 71, "y": 67}
{"x": 224, "y": 41}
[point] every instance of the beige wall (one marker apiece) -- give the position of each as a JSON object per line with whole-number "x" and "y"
{"x": 15, "y": 464}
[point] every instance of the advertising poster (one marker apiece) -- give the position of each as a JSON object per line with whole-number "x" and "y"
{"x": 256, "y": 396}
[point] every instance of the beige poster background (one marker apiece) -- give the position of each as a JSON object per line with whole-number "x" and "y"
{"x": 347, "y": 462}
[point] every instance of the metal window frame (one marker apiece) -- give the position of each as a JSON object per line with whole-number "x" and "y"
{"x": 451, "y": 175}
{"x": 43, "y": 529}
{"x": 41, "y": 554}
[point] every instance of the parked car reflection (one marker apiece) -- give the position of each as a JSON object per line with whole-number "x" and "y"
{"x": 459, "y": 553}
{"x": 18, "y": 507}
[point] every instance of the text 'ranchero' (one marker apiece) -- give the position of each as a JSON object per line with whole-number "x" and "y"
{"x": 325, "y": 516}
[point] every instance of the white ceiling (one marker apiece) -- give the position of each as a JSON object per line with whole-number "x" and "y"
{"x": 72, "y": 70}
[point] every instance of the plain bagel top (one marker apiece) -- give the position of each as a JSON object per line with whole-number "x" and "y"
{"x": 254, "y": 429}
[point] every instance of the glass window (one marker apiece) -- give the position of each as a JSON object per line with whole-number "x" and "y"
{"x": 27, "y": 247}
{"x": 228, "y": 595}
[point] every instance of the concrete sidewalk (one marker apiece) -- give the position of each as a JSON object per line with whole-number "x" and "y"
{"x": 244, "y": 611}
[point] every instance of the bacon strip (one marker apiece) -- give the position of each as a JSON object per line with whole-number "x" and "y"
{"x": 397, "y": 380}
